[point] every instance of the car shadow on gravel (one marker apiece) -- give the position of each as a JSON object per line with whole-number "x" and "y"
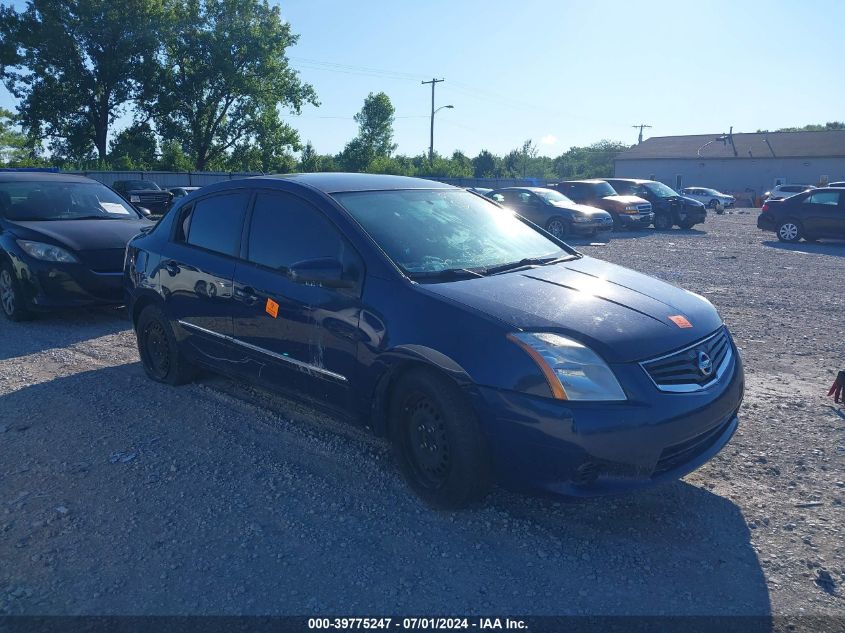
{"x": 127, "y": 496}
{"x": 833, "y": 247}
{"x": 59, "y": 329}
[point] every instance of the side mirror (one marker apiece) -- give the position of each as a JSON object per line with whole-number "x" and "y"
{"x": 144, "y": 211}
{"x": 321, "y": 271}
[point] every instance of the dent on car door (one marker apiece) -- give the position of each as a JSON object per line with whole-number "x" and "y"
{"x": 300, "y": 336}
{"x": 197, "y": 271}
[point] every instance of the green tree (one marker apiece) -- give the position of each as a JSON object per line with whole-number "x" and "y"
{"x": 593, "y": 161}
{"x": 309, "y": 159}
{"x": 223, "y": 79}
{"x": 135, "y": 146}
{"x": 12, "y": 141}
{"x": 484, "y": 165}
{"x": 74, "y": 64}
{"x": 375, "y": 133}
{"x": 173, "y": 157}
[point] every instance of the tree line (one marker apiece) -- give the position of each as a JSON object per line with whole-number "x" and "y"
{"x": 207, "y": 84}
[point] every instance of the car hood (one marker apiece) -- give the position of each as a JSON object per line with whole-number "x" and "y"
{"x": 80, "y": 235}
{"x": 624, "y": 200}
{"x": 580, "y": 208}
{"x": 622, "y": 314}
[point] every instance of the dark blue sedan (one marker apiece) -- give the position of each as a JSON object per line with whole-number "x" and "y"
{"x": 483, "y": 347}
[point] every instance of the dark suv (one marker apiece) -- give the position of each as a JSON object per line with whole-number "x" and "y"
{"x": 629, "y": 212}
{"x": 482, "y": 346}
{"x": 670, "y": 207}
{"x": 144, "y": 193}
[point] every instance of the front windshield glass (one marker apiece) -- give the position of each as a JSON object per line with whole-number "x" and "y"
{"x": 550, "y": 195}
{"x": 43, "y": 200}
{"x": 660, "y": 190}
{"x": 140, "y": 185}
{"x": 604, "y": 189}
{"x": 429, "y": 231}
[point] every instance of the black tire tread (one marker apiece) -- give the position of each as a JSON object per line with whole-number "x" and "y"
{"x": 21, "y": 313}
{"x": 181, "y": 371}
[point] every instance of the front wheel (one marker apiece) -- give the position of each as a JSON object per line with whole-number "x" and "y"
{"x": 11, "y": 298}
{"x": 686, "y": 225}
{"x": 160, "y": 355}
{"x": 662, "y": 222}
{"x": 558, "y": 227}
{"x": 437, "y": 441}
{"x": 789, "y": 231}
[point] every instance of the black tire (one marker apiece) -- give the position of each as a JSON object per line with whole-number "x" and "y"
{"x": 686, "y": 225}
{"x": 713, "y": 204}
{"x": 160, "y": 355}
{"x": 790, "y": 231}
{"x": 558, "y": 227}
{"x": 662, "y": 222}
{"x": 12, "y": 303}
{"x": 437, "y": 441}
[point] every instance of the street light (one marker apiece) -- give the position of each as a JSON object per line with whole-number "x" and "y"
{"x": 431, "y": 145}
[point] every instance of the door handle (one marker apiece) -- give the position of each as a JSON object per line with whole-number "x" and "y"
{"x": 172, "y": 268}
{"x": 248, "y": 295}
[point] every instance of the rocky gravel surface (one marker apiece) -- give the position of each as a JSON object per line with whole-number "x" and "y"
{"x": 122, "y": 496}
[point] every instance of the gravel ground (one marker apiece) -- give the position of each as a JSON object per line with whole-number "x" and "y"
{"x": 122, "y": 496}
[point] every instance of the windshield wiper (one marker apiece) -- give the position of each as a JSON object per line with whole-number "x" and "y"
{"x": 527, "y": 262}
{"x": 447, "y": 274}
{"x": 93, "y": 217}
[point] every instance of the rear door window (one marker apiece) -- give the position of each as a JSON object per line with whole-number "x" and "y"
{"x": 823, "y": 197}
{"x": 216, "y": 223}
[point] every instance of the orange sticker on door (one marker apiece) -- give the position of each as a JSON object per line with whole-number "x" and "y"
{"x": 272, "y": 308}
{"x": 680, "y": 321}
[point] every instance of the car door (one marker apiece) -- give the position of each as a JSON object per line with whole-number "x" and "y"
{"x": 821, "y": 214}
{"x": 197, "y": 271}
{"x": 299, "y": 337}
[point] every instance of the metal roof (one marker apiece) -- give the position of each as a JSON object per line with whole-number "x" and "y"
{"x": 823, "y": 144}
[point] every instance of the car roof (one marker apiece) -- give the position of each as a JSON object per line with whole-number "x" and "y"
{"x": 333, "y": 182}
{"x": 524, "y": 189}
{"x": 638, "y": 181}
{"x": 40, "y": 176}
{"x": 592, "y": 181}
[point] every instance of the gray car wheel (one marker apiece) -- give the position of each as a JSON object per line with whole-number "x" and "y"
{"x": 789, "y": 231}
{"x": 557, "y": 227}
{"x": 11, "y": 300}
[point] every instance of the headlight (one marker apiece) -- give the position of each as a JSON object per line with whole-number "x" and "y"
{"x": 573, "y": 371}
{"x": 581, "y": 218}
{"x": 134, "y": 198}
{"x": 47, "y": 252}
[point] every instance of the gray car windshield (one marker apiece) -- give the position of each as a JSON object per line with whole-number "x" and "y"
{"x": 550, "y": 195}
{"x": 41, "y": 200}
{"x": 603, "y": 189}
{"x": 431, "y": 231}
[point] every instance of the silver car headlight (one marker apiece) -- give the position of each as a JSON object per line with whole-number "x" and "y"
{"x": 573, "y": 371}
{"x": 46, "y": 252}
{"x": 581, "y": 218}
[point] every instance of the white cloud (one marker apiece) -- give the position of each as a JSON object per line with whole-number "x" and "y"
{"x": 549, "y": 139}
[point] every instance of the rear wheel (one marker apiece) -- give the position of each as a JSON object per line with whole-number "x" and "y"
{"x": 160, "y": 355}
{"x": 558, "y": 227}
{"x": 662, "y": 222}
{"x": 687, "y": 225}
{"x": 789, "y": 231}
{"x": 437, "y": 441}
{"x": 11, "y": 298}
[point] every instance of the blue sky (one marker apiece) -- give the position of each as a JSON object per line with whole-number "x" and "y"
{"x": 565, "y": 73}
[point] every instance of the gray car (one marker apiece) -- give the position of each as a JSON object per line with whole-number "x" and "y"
{"x": 552, "y": 210}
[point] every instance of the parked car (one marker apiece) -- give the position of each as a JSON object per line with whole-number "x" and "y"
{"x": 62, "y": 241}
{"x": 630, "y": 212}
{"x": 552, "y": 210}
{"x": 810, "y": 215}
{"x": 179, "y": 192}
{"x": 785, "y": 191}
{"x": 482, "y": 191}
{"x": 837, "y": 184}
{"x": 484, "y": 348}
{"x": 670, "y": 208}
{"x": 715, "y": 200}
{"x": 145, "y": 193}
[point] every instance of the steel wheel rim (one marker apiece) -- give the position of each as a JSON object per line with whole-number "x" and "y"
{"x": 7, "y": 292}
{"x": 427, "y": 442}
{"x": 156, "y": 349}
{"x": 788, "y": 231}
{"x": 556, "y": 228}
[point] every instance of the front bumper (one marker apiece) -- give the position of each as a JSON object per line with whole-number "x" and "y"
{"x": 634, "y": 220}
{"x": 48, "y": 285}
{"x": 591, "y": 449}
{"x": 591, "y": 227}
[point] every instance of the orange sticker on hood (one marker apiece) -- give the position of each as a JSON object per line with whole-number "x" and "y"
{"x": 272, "y": 308}
{"x": 680, "y": 321}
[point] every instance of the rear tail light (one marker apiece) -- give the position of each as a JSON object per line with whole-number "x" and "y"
{"x": 765, "y": 207}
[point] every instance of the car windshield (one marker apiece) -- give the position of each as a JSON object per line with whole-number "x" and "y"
{"x": 660, "y": 190}
{"x": 40, "y": 200}
{"x": 431, "y": 231}
{"x": 550, "y": 195}
{"x": 604, "y": 189}
{"x": 139, "y": 185}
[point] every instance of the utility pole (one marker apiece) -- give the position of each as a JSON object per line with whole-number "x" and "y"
{"x": 433, "y": 83}
{"x": 641, "y": 126}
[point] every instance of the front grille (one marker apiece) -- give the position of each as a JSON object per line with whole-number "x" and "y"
{"x": 156, "y": 198}
{"x": 644, "y": 208}
{"x": 682, "y": 370}
{"x": 679, "y": 454}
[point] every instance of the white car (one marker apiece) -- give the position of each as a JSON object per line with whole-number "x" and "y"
{"x": 711, "y": 198}
{"x": 785, "y": 191}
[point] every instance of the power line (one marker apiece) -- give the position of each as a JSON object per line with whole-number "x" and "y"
{"x": 641, "y": 126}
